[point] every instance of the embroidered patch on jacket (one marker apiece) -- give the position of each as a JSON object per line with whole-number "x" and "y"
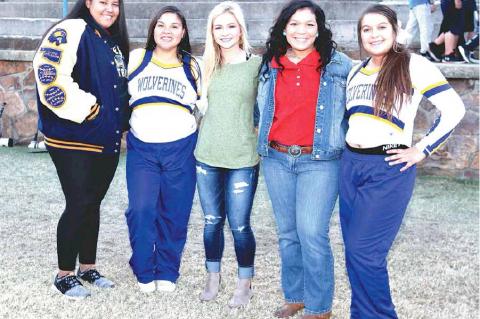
{"x": 55, "y": 96}
{"x": 59, "y": 36}
{"x": 51, "y": 54}
{"x": 47, "y": 73}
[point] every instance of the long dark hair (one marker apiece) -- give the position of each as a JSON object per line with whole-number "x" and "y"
{"x": 119, "y": 28}
{"x": 184, "y": 44}
{"x": 393, "y": 85}
{"x": 277, "y": 44}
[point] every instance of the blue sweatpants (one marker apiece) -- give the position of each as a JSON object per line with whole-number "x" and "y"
{"x": 161, "y": 184}
{"x": 373, "y": 200}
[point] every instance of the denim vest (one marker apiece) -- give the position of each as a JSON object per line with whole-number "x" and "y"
{"x": 330, "y": 124}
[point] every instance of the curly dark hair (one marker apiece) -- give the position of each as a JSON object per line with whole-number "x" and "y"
{"x": 277, "y": 44}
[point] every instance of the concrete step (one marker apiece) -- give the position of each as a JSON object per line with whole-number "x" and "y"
{"x": 22, "y": 23}
{"x": 343, "y": 30}
{"x": 193, "y": 10}
{"x": 20, "y": 18}
{"x": 216, "y": 1}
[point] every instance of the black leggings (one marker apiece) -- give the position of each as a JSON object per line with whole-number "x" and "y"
{"x": 85, "y": 178}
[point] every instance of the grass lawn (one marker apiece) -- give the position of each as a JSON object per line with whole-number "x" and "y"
{"x": 434, "y": 264}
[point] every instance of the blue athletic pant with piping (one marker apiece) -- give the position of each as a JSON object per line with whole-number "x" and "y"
{"x": 161, "y": 184}
{"x": 373, "y": 200}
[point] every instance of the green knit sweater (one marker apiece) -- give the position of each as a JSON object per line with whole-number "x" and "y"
{"x": 227, "y": 135}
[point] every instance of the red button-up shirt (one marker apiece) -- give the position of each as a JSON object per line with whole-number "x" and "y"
{"x": 296, "y": 94}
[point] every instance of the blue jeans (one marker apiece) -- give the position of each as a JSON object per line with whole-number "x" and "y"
{"x": 303, "y": 194}
{"x": 228, "y": 193}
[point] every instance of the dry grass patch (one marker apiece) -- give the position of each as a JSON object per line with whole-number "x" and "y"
{"x": 434, "y": 263}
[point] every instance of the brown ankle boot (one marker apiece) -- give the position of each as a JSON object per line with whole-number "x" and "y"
{"x": 288, "y": 310}
{"x": 326, "y": 315}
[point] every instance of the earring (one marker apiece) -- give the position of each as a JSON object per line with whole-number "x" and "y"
{"x": 316, "y": 35}
{"x": 396, "y": 47}
{"x": 284, "y": 34}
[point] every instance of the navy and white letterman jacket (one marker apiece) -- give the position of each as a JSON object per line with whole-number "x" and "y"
{"x": 82, "y": 93}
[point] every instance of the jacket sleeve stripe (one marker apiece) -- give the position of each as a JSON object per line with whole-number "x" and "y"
{"x": 94, "y": 112}
{"x": 435, "y": 89}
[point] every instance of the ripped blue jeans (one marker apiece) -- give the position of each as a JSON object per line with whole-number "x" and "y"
{"x": 228, "y": 193}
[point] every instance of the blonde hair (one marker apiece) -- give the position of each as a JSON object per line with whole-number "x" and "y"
{"x": 212, "y": 57}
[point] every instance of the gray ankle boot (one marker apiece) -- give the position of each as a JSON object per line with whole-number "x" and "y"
{"x": 242, "y": 294}
{"x": 212, "y": 287}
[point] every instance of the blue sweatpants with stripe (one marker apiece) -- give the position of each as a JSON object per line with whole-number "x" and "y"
{"x": 373, "y": 200}
{"x": 161, "y": 184}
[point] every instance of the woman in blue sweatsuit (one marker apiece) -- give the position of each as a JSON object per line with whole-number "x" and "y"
{"x": 164, "y": 87}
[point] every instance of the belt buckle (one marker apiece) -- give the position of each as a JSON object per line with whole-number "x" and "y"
{"x": 295, "y": 150}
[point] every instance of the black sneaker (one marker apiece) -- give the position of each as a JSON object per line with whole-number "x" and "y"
{"x": 452, "y": 58}
{"x": 70, "y": 287}
{"x": 433, "y": 52}
{"x": 93, "y": 277}
{"x": 427, "y": 56}
{"x": 473, "y": 59}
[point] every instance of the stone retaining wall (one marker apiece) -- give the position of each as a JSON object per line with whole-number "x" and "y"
{"x": 17, "y": 94}
{"x": 457, "y": 158}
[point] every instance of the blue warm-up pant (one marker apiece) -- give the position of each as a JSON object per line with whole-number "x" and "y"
{"x": 161, "y": 184}
{"x": 373, "y": 200}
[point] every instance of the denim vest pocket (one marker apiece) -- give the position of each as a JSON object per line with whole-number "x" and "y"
{"x": 263, "y": 96}
{"x": 262, "y": 91}
{"x": 338, "y": 127}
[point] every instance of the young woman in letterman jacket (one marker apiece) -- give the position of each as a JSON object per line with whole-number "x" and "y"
{"x": 80, "y": 70}
{"x": 164, "y": 83}
{"x": 301, "y": 99}
{"x": 378, "y": 166}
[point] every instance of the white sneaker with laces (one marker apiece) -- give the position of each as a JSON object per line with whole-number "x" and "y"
{"x": 165, "y": 286}
{"x": 147, "y": 288}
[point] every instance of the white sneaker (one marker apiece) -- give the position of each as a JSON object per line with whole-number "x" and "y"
{"x": 165, "y": 285}
{"x": 147, "y": 288}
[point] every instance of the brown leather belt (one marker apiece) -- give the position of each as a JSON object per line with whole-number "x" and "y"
{"x": 294, "y": 150}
